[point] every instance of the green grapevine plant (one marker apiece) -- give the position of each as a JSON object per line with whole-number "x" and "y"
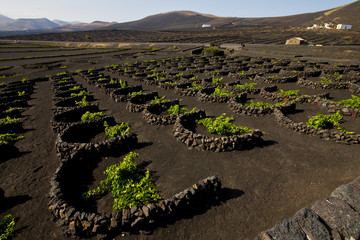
{"x": 117, "y": 130}
{"x": 6, "y": 227}
{"x": 223, "y": 126}
{"x": 89, "y": 116}
{"x": 129, "y": 186}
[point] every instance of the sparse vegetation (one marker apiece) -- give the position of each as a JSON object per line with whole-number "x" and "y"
{"x": 8, "y": 120}
{"x": 216, "y": 80}
{"x": 329, "y": 121}
{"x": 221, "y": 92}
{"x": 15, "y": 108}
{"x": 122, "y": 84}
{"x": 353, "y": 102}
{"x": 257, "y": 104}
{"x": 194, "y": 86}
{"x": 129, "y": 186}
{"x": 82, "y": 102}
{"x": 81, "y": 93}
{"x": 75, "y": 87}
{"x": 25, "y": 80}
{"x": 90, "y": 116}
{"x": 325, "y": 80}
{"x": 7, "y": 225}
{"x": 117, "y": 130}
{"x": 223, "y": 126}
{"x": 210, "y": 49}
{"x": 61, "y": 74}
{"x": 274, "y": 76}
{"x": 246, "y": 85}
{"x": 289, "y": 93}
{"x": 9, "y": 137}
{"x": 134, "y": 93}
{"x": 159, "y": 100}
{"x": 176, "y": 110}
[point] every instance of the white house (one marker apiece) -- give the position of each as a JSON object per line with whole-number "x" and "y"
{"x": 206, "y": 25}
{"x": 343, "y": 26}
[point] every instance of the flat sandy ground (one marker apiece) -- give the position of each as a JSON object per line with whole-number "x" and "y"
{"x": 261, "y": 186}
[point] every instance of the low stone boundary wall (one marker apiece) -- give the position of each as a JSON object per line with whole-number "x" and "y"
{"x": 259, "y": 111}
{"x": 152, "y": 113}
{"x": 70, "y": 101}
{"x": 67, "y": 93}
{"x": 139, "y": 102}
{"x": 182, "y": 90}
{"x": 122, "y": 94}
{"x": 271, "y": 95}
{"x": 336, "y": 217}
{"x": 308, "y": 83}
{"x": 204, "y": 95}
{"x": 322, "y": 134}
{"x": 63, "y": 147}
{"x": 278, "y": 79}
{"x": 333, "y": 107}
{"x": 63, "y": 119}
{"x": 137, "y": 219}
{"x": 71, "y": 150}
{"x": 214, "y": 144}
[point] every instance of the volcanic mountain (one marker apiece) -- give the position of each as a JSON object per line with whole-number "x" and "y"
{"x": 22, "y": 24}
{"x": 168, "y": 20}
{"x": 188, "y": 20}
{"x": 181, "y": 20}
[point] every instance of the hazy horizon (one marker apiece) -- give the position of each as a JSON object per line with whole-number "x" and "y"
{"x": 125, "y": 11}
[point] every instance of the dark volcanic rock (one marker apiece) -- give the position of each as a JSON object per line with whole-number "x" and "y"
{"x": 339, "y": 216}
{"x": 288, "y": 229}
{"x": 312, "y": 225}
{"x": 348, "y": 194}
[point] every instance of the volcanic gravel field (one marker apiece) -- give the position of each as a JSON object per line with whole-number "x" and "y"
{"x": 264, "y": 180}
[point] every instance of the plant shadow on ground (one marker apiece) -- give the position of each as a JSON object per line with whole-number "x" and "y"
{"x": 10, "y": 202}
{"x": 18, "y": 232}
{"x": 266, "y": 143}
{"x": 295, "y": 112}
{"x": 13, "y": 153}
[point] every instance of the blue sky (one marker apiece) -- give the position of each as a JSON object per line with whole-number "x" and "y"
{"x": 129, "y": 10}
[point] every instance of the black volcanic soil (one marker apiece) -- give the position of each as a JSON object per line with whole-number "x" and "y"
{"x": 261, "y": 186}
{"x": 247, "y": 35}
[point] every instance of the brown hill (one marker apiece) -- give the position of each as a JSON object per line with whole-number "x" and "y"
{"x": 168, "y": 20}
{"x": 346, "y": 14}
{"x": 29, "y": 24}
{"x": 85, "y": 26}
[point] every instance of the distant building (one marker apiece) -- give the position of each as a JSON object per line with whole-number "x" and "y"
{"x": 343, "y": 26}
{"x": 206, "y": 25}
{"x": 296, "y": 41}
{"x": 323, "y": 26}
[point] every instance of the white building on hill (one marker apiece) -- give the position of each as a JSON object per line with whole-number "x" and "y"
{"x": 343, "y": 26}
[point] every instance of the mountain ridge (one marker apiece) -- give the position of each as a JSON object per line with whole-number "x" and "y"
{"x": 346, "y": 14}
{"x": 190, "y": 20}
{"x": 30, "y": 24}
